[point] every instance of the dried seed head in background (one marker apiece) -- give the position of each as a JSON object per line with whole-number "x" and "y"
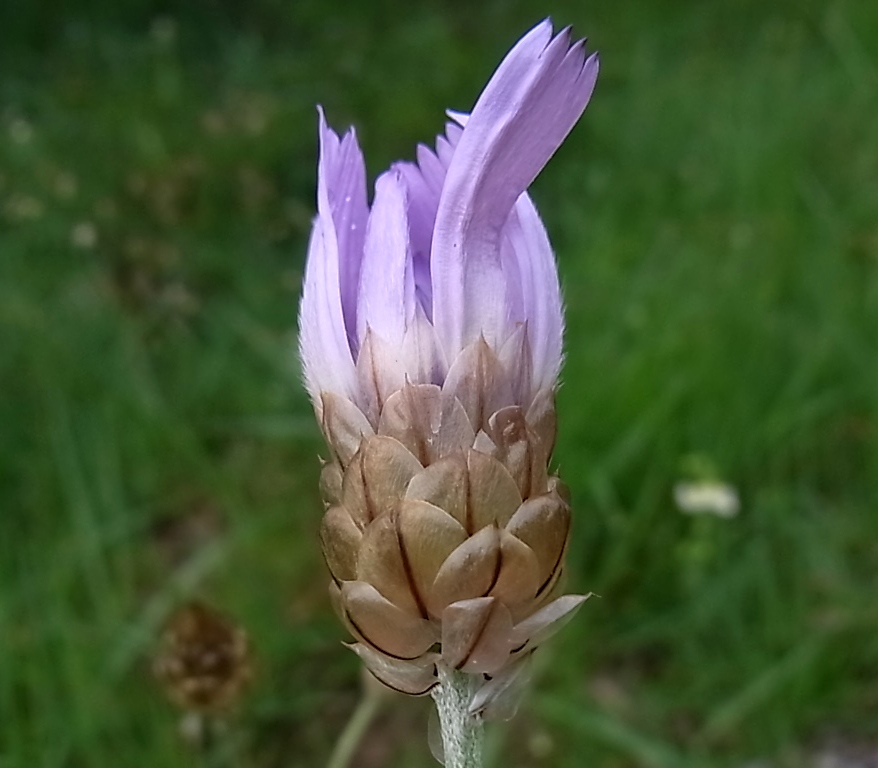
{"x": 204, "y": 660}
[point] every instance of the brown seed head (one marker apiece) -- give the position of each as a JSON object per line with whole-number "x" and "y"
{"x": 204, "y": 660}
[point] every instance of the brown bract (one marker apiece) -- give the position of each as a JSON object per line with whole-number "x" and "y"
{"x": 444, "y": 533}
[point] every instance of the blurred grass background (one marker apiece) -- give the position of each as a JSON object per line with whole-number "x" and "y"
{"x": 715, "y": 216}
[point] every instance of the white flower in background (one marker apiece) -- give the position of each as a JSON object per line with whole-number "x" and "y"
{"x": 707, "y": 497}
{"x": 84, "y": 235}
{"x": 21, "y": 131}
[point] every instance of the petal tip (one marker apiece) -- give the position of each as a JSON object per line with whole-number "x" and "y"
{"x": 324, "y": 129}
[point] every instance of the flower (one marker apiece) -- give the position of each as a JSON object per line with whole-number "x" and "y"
{"x": 707, "y": 497}
{"x": 431, "y": 341}
{"x": 84, "y": 235}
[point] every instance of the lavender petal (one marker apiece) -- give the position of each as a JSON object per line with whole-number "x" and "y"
{"x": 527, "y": 255}
{"x": 522, "y": 116}
{"x": 386, "y": 301}
{"x": 323, "y": 347}
{"x": 341, "y": 202}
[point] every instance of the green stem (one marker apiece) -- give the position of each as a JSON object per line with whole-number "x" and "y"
{"x": 462, "y": 733}
{"x": 355, "y": 729}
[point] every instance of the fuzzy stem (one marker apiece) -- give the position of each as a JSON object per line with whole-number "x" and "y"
{"x": 462, "y": 733}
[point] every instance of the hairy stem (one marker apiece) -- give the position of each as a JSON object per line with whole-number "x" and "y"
{"x": 462, "y": 733}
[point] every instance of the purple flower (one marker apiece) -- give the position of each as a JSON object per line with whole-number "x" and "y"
{"x": 452, "y": 252}
{"x": 430, "y": 335}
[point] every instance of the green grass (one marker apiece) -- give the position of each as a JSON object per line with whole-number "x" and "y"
{"x": 714, "y": 218}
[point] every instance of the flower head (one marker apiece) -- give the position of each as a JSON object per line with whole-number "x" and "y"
{"x": 452, "y": 250}
{"x": 431, "y": 340}
{"x": 205, "y": 659}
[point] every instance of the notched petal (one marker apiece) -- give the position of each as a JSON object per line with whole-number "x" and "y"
{"x": 521, "y": 118}
{"x": 341, "y": 202}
